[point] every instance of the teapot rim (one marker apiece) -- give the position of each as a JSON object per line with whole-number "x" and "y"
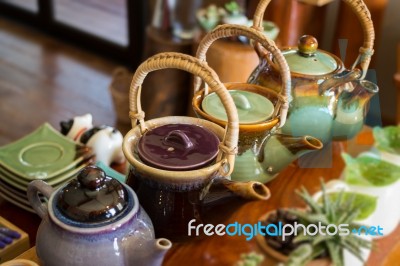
{"x": 254, "y": 127}
{"x": 179, "y": 179}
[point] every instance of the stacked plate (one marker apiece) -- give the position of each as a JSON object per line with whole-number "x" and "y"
{"x": 44, "y": 154}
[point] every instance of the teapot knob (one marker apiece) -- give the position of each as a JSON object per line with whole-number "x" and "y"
{"x": 307, "y": 45}
{"x": 92, "y": 177}
{"x": 241, "y": 101}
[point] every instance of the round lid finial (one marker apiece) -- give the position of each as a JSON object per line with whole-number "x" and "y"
{"x": 307, "y": 45}
{"x": 92, "y": 178}
{"x": 92, "y": 198}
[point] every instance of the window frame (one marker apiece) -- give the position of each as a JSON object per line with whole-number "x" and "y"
{"x": 44, "y": 20}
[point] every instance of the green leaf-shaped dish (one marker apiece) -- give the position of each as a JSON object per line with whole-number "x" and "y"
{"x": 387, "y": 139}
{"x": 370, "y": 171}
{"x": 43, "y": 154}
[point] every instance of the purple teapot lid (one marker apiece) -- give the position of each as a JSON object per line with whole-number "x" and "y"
{"x": 178, "y": 147}
{"x": 92, "y": 198}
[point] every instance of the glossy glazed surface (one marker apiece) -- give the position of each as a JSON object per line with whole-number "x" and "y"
{"x": 252, "y": 107}
{"x": 323, "y": 106}
{"x": 178, "y": 147}
{"x": 92, "y": 198}
{"x": 43, "y": 154}
{"x": 125, "y": 239}
{"x": 260, "y": 157}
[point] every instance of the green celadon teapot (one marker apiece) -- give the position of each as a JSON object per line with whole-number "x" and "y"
{"x": 327, "y": 101}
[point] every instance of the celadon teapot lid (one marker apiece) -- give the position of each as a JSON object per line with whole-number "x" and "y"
{"x": 308, "y": 60}
{"x": 92, "y": 198}
{"x": 178, "y": 147}
{"x": 252, "y": 107}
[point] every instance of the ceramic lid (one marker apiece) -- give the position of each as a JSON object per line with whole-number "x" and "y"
{"x": 308, "y": 60}
{"x": 92, "y": 198}
{"x": 251, "y": 107}
{"x": 178, "y": 147}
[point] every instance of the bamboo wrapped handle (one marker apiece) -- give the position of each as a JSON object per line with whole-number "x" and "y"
{"x": 228, "y": 146}
{"x": 229, "y": 30}
{"x": 364, "y": 16}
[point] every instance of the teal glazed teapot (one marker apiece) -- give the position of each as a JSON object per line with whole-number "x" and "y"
{"x": 329, "y": 101}
{"x": 262, "y": 153}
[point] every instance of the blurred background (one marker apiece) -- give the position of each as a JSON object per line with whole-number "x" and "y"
{"x": 62, "y": 58}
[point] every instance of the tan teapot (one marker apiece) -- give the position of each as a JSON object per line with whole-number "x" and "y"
{"x": 328, "y": 100}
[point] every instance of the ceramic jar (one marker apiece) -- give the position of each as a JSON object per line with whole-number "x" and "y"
{"x": 94, "y": 220}
{"x": 178, "y": 164}
{"x": 329, "y": 101}
{"x": 262, "y": 153}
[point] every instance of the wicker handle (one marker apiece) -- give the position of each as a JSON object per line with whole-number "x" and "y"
{"x": 197, "y": 68}
{"x": 360, "y": 9}
{"x": 229, "y": 30}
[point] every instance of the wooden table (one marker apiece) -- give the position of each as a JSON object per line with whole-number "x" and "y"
{"x": 226, "y": 250}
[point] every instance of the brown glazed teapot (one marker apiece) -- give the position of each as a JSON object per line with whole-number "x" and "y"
{"x": 328, "y": 100}
{"x": 180, "y": 165}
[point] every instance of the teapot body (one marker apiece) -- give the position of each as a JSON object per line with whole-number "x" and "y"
{"x": 262, "y": 153}
{"x": 118, "y": 244}
{"x": 317, "y": 109}
{"x": 171, "y": 207}
{"x": 173, "y": 198}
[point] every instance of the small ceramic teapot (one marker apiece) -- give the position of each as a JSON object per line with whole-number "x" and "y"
{"x": 329, "y": 101}
{"x": 262, "y": 154}
{"x": 94, "y": 220}
{"x": 181, "y": 164}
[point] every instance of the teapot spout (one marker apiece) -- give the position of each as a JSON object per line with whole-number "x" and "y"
{"x": 351, "y": 108}
{"x": 339, "y": 81}
{"x": 149, "y": 252}
{"x": 161, "y": 247}
{"x": 361, "y": 92}
{"x": 223, "y": 188}
{"x": 251, "y": 190}
{"x": 280, "y": 150}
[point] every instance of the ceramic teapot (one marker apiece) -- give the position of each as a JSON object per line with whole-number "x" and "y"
{"x": 94, "y": 220}
{"x": 262, "y": 153}
{"x": 329, "y": 101}
{"x": 180, "y": 165}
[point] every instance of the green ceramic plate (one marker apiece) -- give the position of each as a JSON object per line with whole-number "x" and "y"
{"x": 251, "y": 107}
{"x": 16, "y": 193}
{"x": 11, "y": 194}
{"x": 11, "y": 182}
{"x": 42, "y": 154}
{"x": 16, "y": 203}
{"x": 56, "y": 180}
{"x": 15, "y": 197}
